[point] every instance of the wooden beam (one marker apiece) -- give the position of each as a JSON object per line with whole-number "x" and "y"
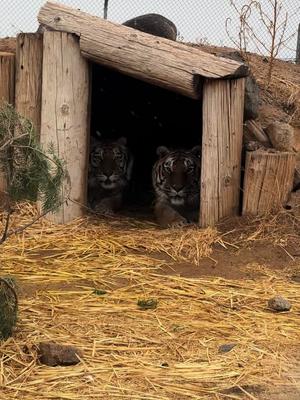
{"x": 65, "y": 115}
{"x": 29, "y": 56}
{"x": 159, "y": 61}
{"x": 268, "y": 181}
{"x": 221, "y": 150}
{"x": 7, "y": 94}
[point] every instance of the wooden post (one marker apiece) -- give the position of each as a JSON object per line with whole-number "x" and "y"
{"x": 7, "y": 78}
{"x": 7, "y": 90}
{"x": 298, "y": 47}
{"x": 268, "y": 181}
{"x": 221, "y": 149}
{"x": 29, "y": 55}
{"x": 65, "y": 115}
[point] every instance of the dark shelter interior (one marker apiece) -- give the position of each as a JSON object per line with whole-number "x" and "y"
{"x": 148, "y": 116}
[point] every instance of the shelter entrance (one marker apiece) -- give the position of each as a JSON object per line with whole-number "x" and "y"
{"x": 148, "y": 116}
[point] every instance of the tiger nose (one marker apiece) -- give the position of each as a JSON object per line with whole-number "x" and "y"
{"x": 177, "y": 187}
{"x": 108, "y": 178}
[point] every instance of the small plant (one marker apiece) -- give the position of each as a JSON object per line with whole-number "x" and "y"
{"x": 28, "y": 170}
{"x": 99, "y": 292}
{"x": 147, "y": 304}
{"x": 29, "y": 173}
{"x": 8, "y": 307}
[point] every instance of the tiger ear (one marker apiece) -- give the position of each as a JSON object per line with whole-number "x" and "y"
{"x": 162, "y": 151}
{"x": 196, "y": 150}
{"x": 122, "y": 140}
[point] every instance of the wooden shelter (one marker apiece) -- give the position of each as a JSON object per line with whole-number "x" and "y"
{"x": 53, "y": 88}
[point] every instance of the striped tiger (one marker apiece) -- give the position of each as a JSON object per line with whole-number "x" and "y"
{"x": 110, "y": 169}
{"x": 176, "y": 182}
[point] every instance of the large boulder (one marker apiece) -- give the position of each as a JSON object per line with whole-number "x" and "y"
{"x": 154, "y": 24}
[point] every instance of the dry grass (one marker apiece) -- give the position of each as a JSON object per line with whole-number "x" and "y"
{"x": 170, "y": 352}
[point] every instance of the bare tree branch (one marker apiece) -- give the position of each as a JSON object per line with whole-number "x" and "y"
{"x": 275, "y": 25}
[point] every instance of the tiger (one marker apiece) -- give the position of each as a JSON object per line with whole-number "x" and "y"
{"x": 176, "y": 183}
{"x": 110, "y": 169}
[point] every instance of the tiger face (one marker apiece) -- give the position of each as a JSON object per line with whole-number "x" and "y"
{"x": 110, "y": 164}
{"x": 176, "y": 176}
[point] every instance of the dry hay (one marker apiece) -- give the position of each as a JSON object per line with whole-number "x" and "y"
{"x": 283, "y": 92}
{"x": 170, "y": 352}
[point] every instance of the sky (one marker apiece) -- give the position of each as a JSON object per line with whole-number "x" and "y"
{"x": 196, "y": 20}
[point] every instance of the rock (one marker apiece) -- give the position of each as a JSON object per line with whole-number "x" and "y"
{"x": 279, "y": 303}
{"x": 281, "y": 136}
{"x": 154, "y": 24}
{"x": 251, "y": 100}
{"x": 54, "y": 354}
{"x": 295, "y": 278}
{"x": 225, "y": 348}
{"x": 296, "y": 182}
{"x": 253, "y": 146}
{"x": 252, "y": 93}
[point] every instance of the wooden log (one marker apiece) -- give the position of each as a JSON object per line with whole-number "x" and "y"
{"x": 162, "y": 62}
{"x": 7, "y": 90}
{"x": 29, "y": 56}
{"x": 221, "y": 149}
{"x": 65, "y": 116}
{"x": 268, "y": 181}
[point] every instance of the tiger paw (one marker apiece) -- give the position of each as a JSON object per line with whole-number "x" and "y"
{"x": 178, "y": 222}
{"x": 173, "y": 221}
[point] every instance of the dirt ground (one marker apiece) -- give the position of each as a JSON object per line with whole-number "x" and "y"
{"x": 249, "y": 250}
{"x": 257, "y": 251}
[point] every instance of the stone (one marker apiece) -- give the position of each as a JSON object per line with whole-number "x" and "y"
{"x": 225, "y": 348}
{"x": 279, "y": 303}
{"x": 53, "y": 354}
{"x": 295, "y": 278}
{"x": 251, "y": 100}
{"x": 253, "y": 146}
{"x": 154, "y": 24}
{"x": 281, "y": 136}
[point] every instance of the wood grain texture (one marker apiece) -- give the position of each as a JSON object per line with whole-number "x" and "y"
{"x": 268, "y": 181}
{"x": 65, "y": 115}
{"x": 172, "y": 65}
{"x": 8, "y": 44}
{"x": 7, "y": 90}
{"x": 7, "y": 78}
{"x": 29, "y": 57}
{"x": 221, "y": 149}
